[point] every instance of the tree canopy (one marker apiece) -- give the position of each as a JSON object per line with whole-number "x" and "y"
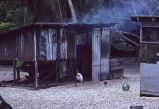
{"x": 17, "y": 13}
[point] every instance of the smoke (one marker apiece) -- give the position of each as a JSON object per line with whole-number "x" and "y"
{"x": 120, "y": 13}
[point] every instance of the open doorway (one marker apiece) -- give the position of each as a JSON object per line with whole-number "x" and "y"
{"x": 84, "y": 55}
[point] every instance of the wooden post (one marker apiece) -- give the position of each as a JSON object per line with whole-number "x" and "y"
{"x": 18, "y": 75}
{"x": 15, "y": 61}
{"x": 100, "y": 53}
{"x": 36, "y": 73}
{"x": 110, "y": 40}
{"x": 75, "y": 57}
{"x": 57, "y": 69}
{"x": 58, "y": 55}
{"x": 14, "y": 71}
{"x": 35, "y": 59}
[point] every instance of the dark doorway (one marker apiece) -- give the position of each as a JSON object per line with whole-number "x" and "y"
{"x": 84, "y": 56}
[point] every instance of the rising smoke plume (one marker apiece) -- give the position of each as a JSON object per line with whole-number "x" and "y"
{"x": 120, "y": 13}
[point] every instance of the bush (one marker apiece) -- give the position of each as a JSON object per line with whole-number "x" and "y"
{"x": 6, "y": 25}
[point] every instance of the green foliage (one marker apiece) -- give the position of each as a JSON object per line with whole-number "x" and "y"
{"x": 19, "y": 64}
{"x": 13, "y": 14}
{"x": 6, "y": 25}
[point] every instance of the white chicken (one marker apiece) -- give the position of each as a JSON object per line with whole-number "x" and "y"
{"x": 79, "y": 77}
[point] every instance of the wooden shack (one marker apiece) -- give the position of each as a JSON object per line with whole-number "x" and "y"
{"x": 54, "y": 52}
{"x": 149, "y": 54}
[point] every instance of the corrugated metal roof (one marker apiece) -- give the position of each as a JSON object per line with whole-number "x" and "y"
{"x": 75, "y": 26}
{"x": 145, "y": 18}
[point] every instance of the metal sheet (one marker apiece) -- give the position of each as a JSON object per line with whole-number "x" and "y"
{"x": 105, "y": 53}
{"x": 149, "y": 78}
{"x": 25, "y": 43}
{"x": 100, "y": 53}
{"x": 96, "y": 54}
{"x": 47, "y": 44}
{"x": 63, "y": 45}
{"x": 71, "y": 41}
{"x": 150, "y": 24}
{"x": 105, "y": 43}
{"x": 8, "y": 48}
{"x": 105, "y": 68}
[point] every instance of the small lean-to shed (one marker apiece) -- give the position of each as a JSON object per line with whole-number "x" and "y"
{"x": 59, "y": 50}
{"x": 149, "y": 54}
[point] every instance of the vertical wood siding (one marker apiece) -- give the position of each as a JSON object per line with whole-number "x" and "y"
{"x": 47, "y": 44}
{"x": 25, "y": 48}
{"x": 8, "y": 48}
{"x": 105, "y": 53}
{"x": 96, "y": 54}
{"x": 100, "y": 53}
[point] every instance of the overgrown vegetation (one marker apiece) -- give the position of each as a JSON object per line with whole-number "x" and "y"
{"x": 7, "y": 25}
{"x": 12, "y": 14}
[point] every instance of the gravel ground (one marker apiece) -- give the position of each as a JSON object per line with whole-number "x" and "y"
{"x": 90, "y": 95}
{"x": 6, "y": 73}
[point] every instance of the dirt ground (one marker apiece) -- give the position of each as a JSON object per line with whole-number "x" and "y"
{"x": 90, "y": 95}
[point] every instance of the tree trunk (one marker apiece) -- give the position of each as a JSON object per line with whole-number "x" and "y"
{"x": 74, "y": 17}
